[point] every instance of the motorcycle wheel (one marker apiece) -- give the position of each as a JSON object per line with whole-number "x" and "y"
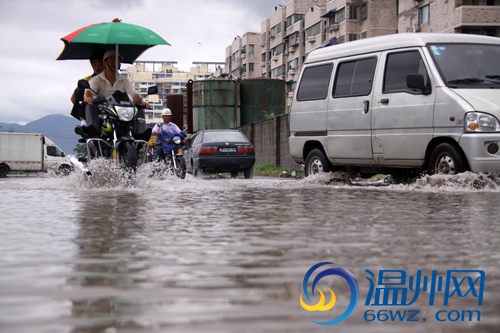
{"x": 180, "y": 171}
{"x": 128, "y": 156}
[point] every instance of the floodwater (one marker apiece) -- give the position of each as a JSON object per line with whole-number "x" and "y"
{"x": 230, "y": 255}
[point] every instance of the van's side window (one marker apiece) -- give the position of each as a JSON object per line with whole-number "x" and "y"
{"x": 397, "y": 68}
{"x": 354, "y": 78}
{"x": 314, "y": 83}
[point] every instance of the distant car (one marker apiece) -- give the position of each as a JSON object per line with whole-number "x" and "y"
{"x": 217, "y": 151}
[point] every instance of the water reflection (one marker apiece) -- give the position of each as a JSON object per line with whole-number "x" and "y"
{"x": 112, "y": 227}
{"x": 230, "y": 255}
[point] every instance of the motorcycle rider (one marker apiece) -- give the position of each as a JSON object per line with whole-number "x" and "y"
{"x": 78, "y": 110}
{"x": 105, "y": 84}
{"x": 167, "y": 126}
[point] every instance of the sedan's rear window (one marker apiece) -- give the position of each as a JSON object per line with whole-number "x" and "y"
{"x": 223, "y": 137}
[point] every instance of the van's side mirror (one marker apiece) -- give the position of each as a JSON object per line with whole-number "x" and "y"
{"x": 83, "y": 84}
{"x": 416, "y": 81}
{"x": 152, "y": 90}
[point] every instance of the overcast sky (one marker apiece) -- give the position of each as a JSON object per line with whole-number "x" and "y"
{"x": 33, "y": 84}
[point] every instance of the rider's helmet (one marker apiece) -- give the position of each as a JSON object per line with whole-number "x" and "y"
{"x": 166, "y": 112}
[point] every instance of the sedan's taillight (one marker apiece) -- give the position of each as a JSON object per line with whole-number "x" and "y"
{"x": 208, "y": 150}
{"x": 245, "y": 149}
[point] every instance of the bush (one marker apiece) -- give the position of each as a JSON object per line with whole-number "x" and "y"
{"x": 268, "y": 169}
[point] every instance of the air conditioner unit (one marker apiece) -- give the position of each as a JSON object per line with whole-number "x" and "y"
{"x": 335, "y": 27}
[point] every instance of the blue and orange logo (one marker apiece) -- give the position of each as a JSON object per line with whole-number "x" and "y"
{"x": 321, "y": 306}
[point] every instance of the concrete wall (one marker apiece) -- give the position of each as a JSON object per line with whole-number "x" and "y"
{"x": 270, "y": 139}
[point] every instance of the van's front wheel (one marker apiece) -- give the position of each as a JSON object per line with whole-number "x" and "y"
{"x": 445, "y": 159}
{"x": 316, "y": 162}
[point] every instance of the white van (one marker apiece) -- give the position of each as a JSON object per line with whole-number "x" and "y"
{"x": 421, "y": 101}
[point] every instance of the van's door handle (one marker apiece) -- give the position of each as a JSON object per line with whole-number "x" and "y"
{"x": 384, "y": 101}
{"x": 366, "y": 106}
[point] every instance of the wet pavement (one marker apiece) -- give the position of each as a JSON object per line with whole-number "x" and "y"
{"x": 219, "y": 254}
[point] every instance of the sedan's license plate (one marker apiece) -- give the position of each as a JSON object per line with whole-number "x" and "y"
{"x": 227, "y": 150}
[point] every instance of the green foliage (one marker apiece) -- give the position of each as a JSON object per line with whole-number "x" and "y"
{"x": 268, "y": 169}
{"x": 268, "y": 116}
{"x": 80, "y": 150}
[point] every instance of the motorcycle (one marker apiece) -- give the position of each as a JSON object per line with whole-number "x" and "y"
{"x": 172, "y": 144}
{"x": 119, "y": 116}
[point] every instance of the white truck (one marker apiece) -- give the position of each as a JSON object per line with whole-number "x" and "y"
{"x": 31, "y": 152}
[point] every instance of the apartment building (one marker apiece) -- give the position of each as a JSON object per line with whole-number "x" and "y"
{"x": 480, "y": 17}
{"x": 300, "y": 26}
{"x": 243, "y": 56}
{"x": 167, "y": 77}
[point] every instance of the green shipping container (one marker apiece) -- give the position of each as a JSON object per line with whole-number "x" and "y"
{"x": 260, "y": 98}
{"x": 215, "y": 104}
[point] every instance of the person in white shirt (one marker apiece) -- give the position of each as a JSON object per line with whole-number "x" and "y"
{"x": 105, "y": 84}
{"x": 167, "y": 126}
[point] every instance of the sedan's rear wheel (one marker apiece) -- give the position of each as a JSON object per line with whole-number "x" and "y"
{"x": 248, "y": 173}
{"x": 234, "y": 174}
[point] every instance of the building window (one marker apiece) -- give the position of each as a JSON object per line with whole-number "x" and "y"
{"x": 250, "y": 67}
{"x": 251, "y": 48}
{"x": 353, "y": 12}
{"x": 263, "y": 37}
{"x": 263, "y": 57}
{"x": 353, "y": 37}
{"x": 340, "y": 16}
{"x": 364, "y": 12}
{"x": 424, "y": 14}
{"x": 292, "y": 19}
{"x": 293, "y": 64}
{"x": 313, "y": 31}
{"x": 277, "y": 50}
{"x": 235, "y": 56}
{"x": 276, "y": 30}
{"x": 363, "y": 35}
{"x": 278, "y": 71}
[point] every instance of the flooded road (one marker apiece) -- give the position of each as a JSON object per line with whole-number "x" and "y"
{"x": 231, "y": 255}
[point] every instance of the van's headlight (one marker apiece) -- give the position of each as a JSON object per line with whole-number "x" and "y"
{"x": 125, "y": 113}
{"x": 481, "y": 122}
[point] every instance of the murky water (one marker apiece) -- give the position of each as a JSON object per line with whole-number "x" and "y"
{"x": 156, "y": 255}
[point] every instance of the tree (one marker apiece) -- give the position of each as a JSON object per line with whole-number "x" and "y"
{"x": 80, "y": 150}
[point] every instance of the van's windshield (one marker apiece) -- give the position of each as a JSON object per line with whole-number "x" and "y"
{"x": 467, "y": 65}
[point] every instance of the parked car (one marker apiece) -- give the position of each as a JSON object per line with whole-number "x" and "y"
{"x": 217, "y": 151}
{"x": 400, "y": 102}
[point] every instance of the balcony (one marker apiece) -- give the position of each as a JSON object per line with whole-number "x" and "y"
{"x": 477, "y": 16}
{"x": 311, "y": 39}
{"x": 275, "y": 58}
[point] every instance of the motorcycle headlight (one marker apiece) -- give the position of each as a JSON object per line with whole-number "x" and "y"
{"x": 125, "y": 113}
{"x": 481, "y": 122}
{"x": 177, "y": 140}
